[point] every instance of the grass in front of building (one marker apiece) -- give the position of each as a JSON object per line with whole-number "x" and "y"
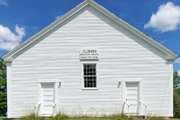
{"x": 61, "y": 116}
{"x": 2, "y": 117}
{"x": 65, "y": 117}
{"x": 89, "y": 119}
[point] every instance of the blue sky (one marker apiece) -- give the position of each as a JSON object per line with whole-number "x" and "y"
{"x": 159, "y": 19}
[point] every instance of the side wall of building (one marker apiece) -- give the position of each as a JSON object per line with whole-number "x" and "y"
{"x": 122, "y": 55}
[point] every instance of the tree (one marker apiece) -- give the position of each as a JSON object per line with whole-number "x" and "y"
{"x": 3, "y": 88}
{"x": 176, "y": 102}
{"x": 176, "y": 80}
{"x": 176, "y": 95}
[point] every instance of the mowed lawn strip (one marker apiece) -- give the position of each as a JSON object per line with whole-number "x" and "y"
{"x": 3, "y": 117}
{"x": 67, "y": 119}
{"x": 89, "y": 119}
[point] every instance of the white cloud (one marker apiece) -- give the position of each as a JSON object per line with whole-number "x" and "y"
{"x": 8, "y": 39}
{"x": 3, "y": 2}
{"x": 167, "y": 18}
{"x": 177, "y": 61}
{"x": 58, "y": 17}
{"x": 163, "y": 41}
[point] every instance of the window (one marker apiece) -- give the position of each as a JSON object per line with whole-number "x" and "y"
{"x": 89, "y": 75}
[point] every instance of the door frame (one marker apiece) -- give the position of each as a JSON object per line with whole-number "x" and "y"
{"x": 123, "y": 82}
{"x": 56, "y": 83}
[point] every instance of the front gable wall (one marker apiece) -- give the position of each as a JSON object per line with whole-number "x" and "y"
{"x": 122, "y": 55}
{"x": 90, "y": 26}
{"x": 10, "y": 55}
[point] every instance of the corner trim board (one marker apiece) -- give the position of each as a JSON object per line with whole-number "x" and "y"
{"x": 8, "y": 66}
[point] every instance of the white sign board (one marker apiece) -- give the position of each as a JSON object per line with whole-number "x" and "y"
{"x": 89, "y": 54}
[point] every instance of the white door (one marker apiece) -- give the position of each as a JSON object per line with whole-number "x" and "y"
{"x": 132, "y": 96}
{"x": 47, "y": 98}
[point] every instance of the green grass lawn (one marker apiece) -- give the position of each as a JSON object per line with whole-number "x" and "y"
{"x": 89, "y": 119}
{"x": 2, "y": 117}
{"x": 70, "y": 118}
{"x": 83, "y": 118}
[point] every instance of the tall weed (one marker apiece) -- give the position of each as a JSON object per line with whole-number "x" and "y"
{"x": 121, "y": 116}
{"x": 60, "y": 116}
{"x": 31, "y": 117}
{"x": 156, "y": 118}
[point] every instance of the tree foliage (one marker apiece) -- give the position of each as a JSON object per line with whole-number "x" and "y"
{"x": 176, "y": 95}
{"x": 3, "y": 94}
{"x": 176, "y": 106}
{"x": 176, "y": 80}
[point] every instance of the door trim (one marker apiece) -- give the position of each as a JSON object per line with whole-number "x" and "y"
{"x": 132, "y": 80}
{"x": 56, "y": 83}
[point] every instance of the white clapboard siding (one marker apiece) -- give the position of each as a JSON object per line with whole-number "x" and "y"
{"x": 122, "y": 55}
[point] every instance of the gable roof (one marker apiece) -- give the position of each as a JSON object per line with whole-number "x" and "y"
{"x": 9, "y": 56}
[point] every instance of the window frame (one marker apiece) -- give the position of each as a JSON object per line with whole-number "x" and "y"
{"x": 82, "y": 71}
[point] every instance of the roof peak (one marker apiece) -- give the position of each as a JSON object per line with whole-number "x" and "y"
{"x": 10, "y": 55}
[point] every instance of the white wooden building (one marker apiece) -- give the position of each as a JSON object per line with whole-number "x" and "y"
{"x": 90, "y": 62}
